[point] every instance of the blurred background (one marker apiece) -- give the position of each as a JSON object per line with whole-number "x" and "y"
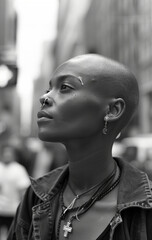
{"x": 38, "y": 35}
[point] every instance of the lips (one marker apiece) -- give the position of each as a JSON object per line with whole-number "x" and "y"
{"x": 43, "y": 114}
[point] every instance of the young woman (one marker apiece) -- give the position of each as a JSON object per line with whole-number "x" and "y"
{"x": 89, "y": 101}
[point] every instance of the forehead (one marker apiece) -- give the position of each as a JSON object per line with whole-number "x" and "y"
{"x": 78, "y": 70}
{"x": 89, "y": 77}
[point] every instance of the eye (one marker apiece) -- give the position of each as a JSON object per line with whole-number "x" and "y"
{"x": 47, "y": 90}
{"x": 66, "y": 87}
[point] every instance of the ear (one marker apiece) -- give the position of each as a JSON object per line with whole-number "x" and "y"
{"x": 116, "y": 109}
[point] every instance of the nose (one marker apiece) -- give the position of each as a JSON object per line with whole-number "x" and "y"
{"x": 45, "y": 100}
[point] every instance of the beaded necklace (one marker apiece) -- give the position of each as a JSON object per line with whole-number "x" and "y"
{"x": 104, "y": 188}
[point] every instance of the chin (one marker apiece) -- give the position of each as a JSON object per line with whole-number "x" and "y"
{"x": 47, "y": 138}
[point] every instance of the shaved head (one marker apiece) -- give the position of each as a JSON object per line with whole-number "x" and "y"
{"x": 113, "y": 80}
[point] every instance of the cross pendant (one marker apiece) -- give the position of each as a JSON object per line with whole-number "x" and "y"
{"x": 67, "y": 229}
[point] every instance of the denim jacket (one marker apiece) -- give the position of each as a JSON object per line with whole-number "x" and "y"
{"x": 35, "y": 216}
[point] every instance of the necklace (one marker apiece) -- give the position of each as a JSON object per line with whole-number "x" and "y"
{"x": 105, "y": 187}
{"x": 71, "y": 205}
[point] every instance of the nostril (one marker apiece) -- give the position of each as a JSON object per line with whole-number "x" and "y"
{"x": 46, "y": 101}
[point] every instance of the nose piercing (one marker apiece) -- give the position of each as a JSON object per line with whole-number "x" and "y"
{"x": 45, "y": 102}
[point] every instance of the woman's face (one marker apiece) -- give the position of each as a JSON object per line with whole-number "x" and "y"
{"x": 74, "y": 108}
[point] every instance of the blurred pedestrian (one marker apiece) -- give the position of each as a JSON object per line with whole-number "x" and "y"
{"x": 13, "y": 182}
{"x": 89, "y": 101}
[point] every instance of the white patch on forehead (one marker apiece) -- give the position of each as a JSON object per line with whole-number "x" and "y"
{"x": 80, "y": 78}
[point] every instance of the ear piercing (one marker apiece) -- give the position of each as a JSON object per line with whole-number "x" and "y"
{"x": 105, "y": 129}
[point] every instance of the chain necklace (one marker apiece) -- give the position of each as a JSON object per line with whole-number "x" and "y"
{"x": 71, "y": 205}
{"x": 104, "y": 188}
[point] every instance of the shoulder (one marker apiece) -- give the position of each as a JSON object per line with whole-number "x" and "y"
{"x": 36, "y": 192}
{"x": 17, "y": 169}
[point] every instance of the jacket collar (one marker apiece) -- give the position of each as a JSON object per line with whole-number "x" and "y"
{"x": 48, "y": 185}
{"x": 134, "y": 187}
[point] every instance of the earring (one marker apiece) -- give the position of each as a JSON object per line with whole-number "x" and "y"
{"x": 105, "y": 129}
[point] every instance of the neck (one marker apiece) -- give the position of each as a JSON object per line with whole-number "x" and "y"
{"x": 89, "y": 164}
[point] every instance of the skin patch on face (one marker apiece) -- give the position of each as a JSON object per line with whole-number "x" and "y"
{"x": 80, "y": 78}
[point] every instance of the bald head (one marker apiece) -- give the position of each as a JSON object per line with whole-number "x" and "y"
{"x": 112, "y": 80}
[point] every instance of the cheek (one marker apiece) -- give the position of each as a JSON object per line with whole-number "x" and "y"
{"x": 81, "y": 110}
{"x": 76, "y": 117}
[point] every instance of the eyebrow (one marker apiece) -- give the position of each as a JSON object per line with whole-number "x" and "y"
{"x": 61, "y": 78}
